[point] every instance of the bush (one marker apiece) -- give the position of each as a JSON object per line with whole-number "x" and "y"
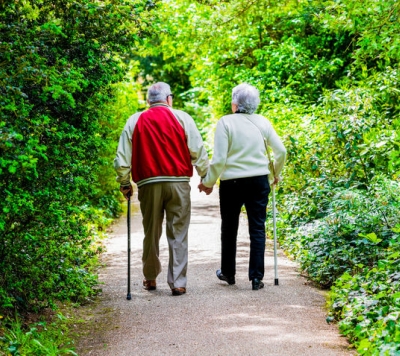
{"x": 367, "y": 305}
{"x": 354, "y": 230}
{"x": 59, "y": 59}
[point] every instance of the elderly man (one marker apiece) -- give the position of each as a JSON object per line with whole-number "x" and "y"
{"x": 159, "y": 147}
{"x": 240, "y": 144}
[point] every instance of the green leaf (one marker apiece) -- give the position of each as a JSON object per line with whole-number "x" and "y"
{"x": 12, "y": 169}
{"x": 371, "y": 237}
{"x": 363, "y": 346}
{"x": 380, "y": 144}
{"x": 396, "y": 295}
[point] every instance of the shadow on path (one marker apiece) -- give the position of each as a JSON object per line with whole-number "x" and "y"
{"x": 212, "y": 318}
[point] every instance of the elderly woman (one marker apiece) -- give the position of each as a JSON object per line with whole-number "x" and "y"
{"x": 241, "y": 163}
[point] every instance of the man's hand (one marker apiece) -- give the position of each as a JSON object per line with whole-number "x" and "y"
{"x": 203, "y": 188}
{"x": 276, "y": 181}
{"x": 127, "y": 191}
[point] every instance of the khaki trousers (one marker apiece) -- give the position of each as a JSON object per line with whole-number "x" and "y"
{"x": 174, "y": 199}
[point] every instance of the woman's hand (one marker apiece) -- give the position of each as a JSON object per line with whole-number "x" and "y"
{"x": 203, "y": 188}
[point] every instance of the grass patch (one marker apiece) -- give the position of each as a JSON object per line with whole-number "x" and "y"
{"x": 45, "y": 334}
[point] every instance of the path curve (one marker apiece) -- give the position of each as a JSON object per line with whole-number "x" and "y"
{"x": 212, "y": 318}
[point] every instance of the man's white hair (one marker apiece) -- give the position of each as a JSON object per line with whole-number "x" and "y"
{"x": 246, "y": 97}
{"x": 158, "y": 92}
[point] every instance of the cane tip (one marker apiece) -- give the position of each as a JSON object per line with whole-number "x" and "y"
{"x": 129, "y": 296}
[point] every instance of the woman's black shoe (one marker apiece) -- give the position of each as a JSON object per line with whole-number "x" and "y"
{"x": 257, "y": 284}
{"x": 230, "y": 280}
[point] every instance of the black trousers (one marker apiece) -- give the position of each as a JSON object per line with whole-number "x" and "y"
{"x": 253, "y": 193}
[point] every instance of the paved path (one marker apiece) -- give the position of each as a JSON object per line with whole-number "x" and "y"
{"x": 212, "y": 318}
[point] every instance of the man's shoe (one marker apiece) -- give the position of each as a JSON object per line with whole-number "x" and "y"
{"x": 257, "y": 284}
{"x": 149, "y": 284}
{"x": 230, "y": 280}
{"x": 178, "y": 291}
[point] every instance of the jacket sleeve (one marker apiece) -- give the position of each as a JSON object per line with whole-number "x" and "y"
{"x": 220, "y": 155}
{"x": 198, "y": 153}
{"x": 122, "y": 161}
{"x": 278, "y": 149}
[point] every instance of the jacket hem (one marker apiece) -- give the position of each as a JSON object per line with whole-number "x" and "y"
{"x": 162, "y": 179}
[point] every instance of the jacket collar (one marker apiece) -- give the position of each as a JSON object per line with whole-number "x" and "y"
{"x": 159, "y": 104}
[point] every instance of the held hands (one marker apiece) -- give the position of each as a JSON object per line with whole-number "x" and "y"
{"x": 126, "y": 191}
{"x": 203, "y": 188}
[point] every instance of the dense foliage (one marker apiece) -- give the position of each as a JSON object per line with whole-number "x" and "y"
{"x": 328, "y": 73}
{"x": 58, "y": 61}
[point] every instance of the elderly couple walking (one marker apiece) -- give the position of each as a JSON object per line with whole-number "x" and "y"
{"x": 158, "y": 149}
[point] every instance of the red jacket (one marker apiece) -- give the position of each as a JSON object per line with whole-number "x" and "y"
{"x": 159, "y": 147}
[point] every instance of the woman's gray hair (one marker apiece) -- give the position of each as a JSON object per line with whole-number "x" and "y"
{"x": 158, "y": 92}
{"x": 246, "y": 97}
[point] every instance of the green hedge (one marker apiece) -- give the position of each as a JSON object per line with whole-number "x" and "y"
{"x": 58, "y": 61}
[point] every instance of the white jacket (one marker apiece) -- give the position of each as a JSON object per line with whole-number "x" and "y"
{"x": 239, "y": 148}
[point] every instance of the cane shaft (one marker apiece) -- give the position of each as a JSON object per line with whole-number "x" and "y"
{"x": 274, "y": 228}
{"x": 129, "y": 249}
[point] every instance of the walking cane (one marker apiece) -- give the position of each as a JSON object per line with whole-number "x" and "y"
{"x": 128, "y": 296}
{"x": 274, "y": 226}
{"x": 272, "y": 169}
